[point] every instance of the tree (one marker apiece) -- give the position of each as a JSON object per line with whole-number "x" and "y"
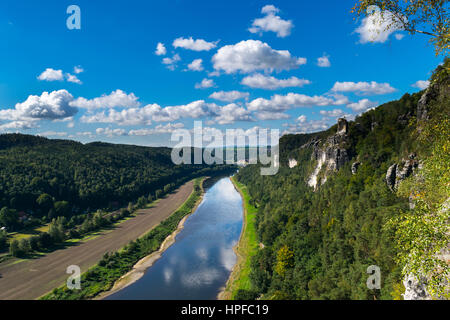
{"x": 56, "y": 230}
{"x": 427, "y": 17}
{"x": 3, "y": 239}
{"x": 8, "y": 218}
{"x": 45, "y": 202}
{"x": 14, "y": 249}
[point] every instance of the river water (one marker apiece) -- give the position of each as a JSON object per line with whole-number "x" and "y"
{"x": 199, "y": 263}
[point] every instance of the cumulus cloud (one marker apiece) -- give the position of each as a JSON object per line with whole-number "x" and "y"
{"x": 421, "y": 84}
{"x": 57, "y": 75}
{"x": 195, "y": 45}
{"x": 378, "y": 26}
{"x": 362, "y": 105}
{"x": 231, "y": 113}
{"x": 302, "y": 125}
{"x": 335, "y": 113}
{"x": 153, "y": 112}
{"x": 50, "y": 106}
{"x": 73, "y": 78}
{"x": 160, "y": 49}
{"x": 291, "y": 100}
{"x": 271, "y": 22}
{"x": 268, "y": 115}
{"x": 18, "y": 125}
{"x": 271, "y": 83}
{"x": 253, "y": 55}
{"x": 172, "y": 62}
{"x": 205, "y": 84}
{"x": 78, "y": 69}
{"x": 363, "y": 88}
{"x": 51, "y": 75}
{"x": 115, "y": 99}
{"x": 229, "y": 96}
{"x": 111, "y": 132}
{"x": 159, "y": 129}
{"x": 324, "y": 62}
{"x": 196, "y": 65}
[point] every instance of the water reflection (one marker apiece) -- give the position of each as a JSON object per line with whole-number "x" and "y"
{"x": 200, "y": 261}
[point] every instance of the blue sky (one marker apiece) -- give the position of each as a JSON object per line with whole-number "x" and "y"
{"x": 259, "y": 67}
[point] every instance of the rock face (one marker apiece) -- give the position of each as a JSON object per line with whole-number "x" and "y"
{"x": 292, "y": 163}
{"x": 355, "y": 167}
{"x": 415, "y": 289}
{"x": 397, "y": 173}
{"x": 331, "y": 155}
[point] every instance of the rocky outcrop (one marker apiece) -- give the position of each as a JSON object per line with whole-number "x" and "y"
{"x": 331, "y": 155}
{"x": 415, "y": 289}
{"x": 399, "y": 172}
{"x": 292, "y": 163}
{"x": 355, "y": 166}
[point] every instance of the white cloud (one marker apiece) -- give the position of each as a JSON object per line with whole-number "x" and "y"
{"x": 271, "y": 22}
{"x": 291, "y": 100}
{"x": 168, "y": 128}
{"x": 268, "y": 115}
{"x": 195, "y": 45}
{"x": 206, "y": 83}
{"x": 335, "y": 113}
{"x": 364, "y": 88}
{"x": 78, "y": 69}
{"x": 421, "y": 84}
{"x": 362, "y": 105}
{"x": 115, "y": 99}
{"x": 50, "y": 106}
{"x": 231, "y": 113}
{"x": 229, "y": 96}
{"x": 399, "y": 36}
{"x": 324, "y": 62}
{"x": 51, "y": 75}
{"x": 253, "y": 55}
{"x": 53, "y": 134}
{"x": 160, "y": 49}
{"x": 374, "y": 27}
{"x": 111, "y": 132}
{"x": 19, "y": 125}
{"x": 72, "y": 78}
{"x": 154, "y": 112}
{"x": 171, "y": 62}
{"x": 196, "y": 65}
{"x": 271, "y": 83}
{"x": 302, "y": 125}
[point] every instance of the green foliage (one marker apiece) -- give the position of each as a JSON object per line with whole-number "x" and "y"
{"x": 423, "y": 234}
{"x": 318, "y": 245}
{"x": 3, "y": 239}
{"x": 9, "y": 218}
{"x": 113, "y": 265}
{"x": 428, "y": 17}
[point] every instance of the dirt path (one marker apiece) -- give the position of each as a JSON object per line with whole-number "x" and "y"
{"x": 33, "y": 278}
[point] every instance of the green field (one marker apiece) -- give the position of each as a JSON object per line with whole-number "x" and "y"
{"x": 246, "y": 249}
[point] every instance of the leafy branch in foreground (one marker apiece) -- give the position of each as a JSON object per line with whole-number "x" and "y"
{"x": 428, "y": 17}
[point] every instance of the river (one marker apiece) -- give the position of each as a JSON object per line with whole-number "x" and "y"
{"x": 198, "y": 264}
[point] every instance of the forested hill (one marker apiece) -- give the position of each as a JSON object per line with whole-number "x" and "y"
{"x": 49, "y": 178}
{"x": 341, "y": 202}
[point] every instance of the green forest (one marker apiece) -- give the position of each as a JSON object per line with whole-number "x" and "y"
{"x": 319, "y": 244}
{"x": 66, "y": 183}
